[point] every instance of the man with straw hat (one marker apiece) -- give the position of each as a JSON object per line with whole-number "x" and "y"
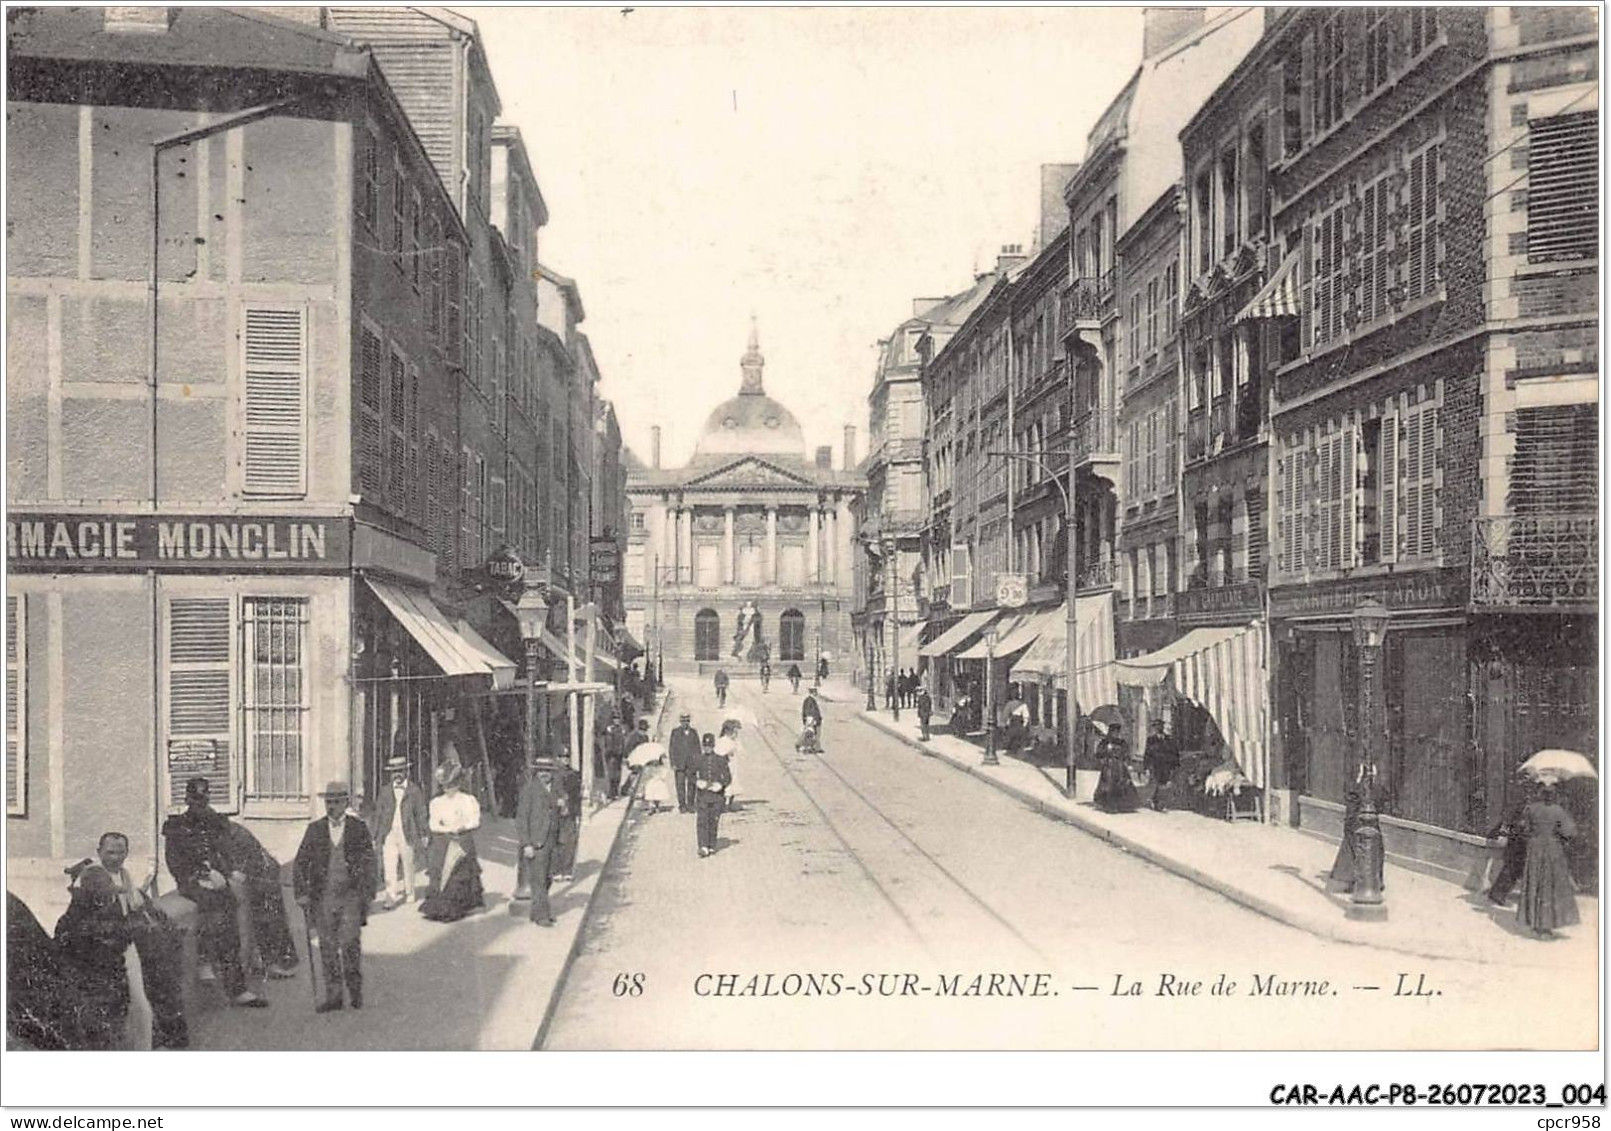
{"x": 402, "y": 829}
{"x": 334, "y": 880}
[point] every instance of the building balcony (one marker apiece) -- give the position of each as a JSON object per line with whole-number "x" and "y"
{"x": 1080, "y": 307}
{"x": 1536, "y": 563}
{"x": 1096, "y": 442}
{"x": 1094, "y": 576}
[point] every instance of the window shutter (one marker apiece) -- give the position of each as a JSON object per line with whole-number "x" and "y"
{"x": 1283, "y": 514}
{"x": 1415, "y": 280}
{"x": 1307, "y": 319}
{"x": 1427, "y": 472}
{"x": 1348, "y": 508}
{"x": 453, "y": 301}
{"x": 1387, "y": 486}
{"x": 200, "y": 685}
{"x": 1412, "y": 485}
{"x": 1563, "y": 195}
{"x": 370, "y": 459}
{"x": 1306, "y": 106}
{"x": 447, "y": 484}
{"x": 416, "y": 486}
{"x": 1308, "y": 538}
{"x": 275, "y": 381}
{"x": 16, "y": 707}
{"x": 397, "y": 487}
{"x": 1367, "y": 276}
{"x": 431, "y": 507}
{"x": 1326, "y": 550}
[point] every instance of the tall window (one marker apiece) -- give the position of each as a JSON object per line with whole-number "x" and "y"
{"x": 274, "y": 409}
{"x": 1171, "y": 298}
{"x": 1419, "y": 476}
{"x": 369, "y": 203}
{"x": 1375, "y": 260}
{"x": 1228, "y": 200}
{"x": 416, "y": 270}
{"x": 1421, "y": 223}
{"x": 707, "y": 635}
{"x": 1203, "y": 194}
{"x": 1330, "y": 72}
{"x": 16, "y": 707}
{"x": 1152, "y": 314}
{"x": 791, "y": 635}
{"x": 399, "y": 213}
{"x": 371, "y": 426}
{"x": 1330, "y": 276}
{"x": 1563, "y": 198}
{"x": 275, "y": 697}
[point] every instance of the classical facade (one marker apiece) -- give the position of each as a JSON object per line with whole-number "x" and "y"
{"x": 746, "y": 550}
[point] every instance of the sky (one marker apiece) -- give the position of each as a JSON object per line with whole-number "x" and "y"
{"x": 817, "y": 168}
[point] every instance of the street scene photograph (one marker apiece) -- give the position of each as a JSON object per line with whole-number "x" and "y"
{"x": 649, "y": 529}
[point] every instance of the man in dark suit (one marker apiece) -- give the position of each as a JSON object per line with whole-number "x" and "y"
{"x": 612, "y": 750}
{"x": 536, "y": 829}
{"x": 196, "y": 848}
{"x": 402, "y": 829}
{"x": 684, "y": 749}
{"x": 334, "y": 879}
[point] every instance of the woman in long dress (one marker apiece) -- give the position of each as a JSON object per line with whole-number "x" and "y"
{"x": 455, "y": 871}
{"x": 1548, "y": 900}
{"x": 1115, "y": 792}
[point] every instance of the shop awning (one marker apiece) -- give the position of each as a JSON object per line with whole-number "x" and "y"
{"x": 628, "y": 643}
{"x": 1278, "y": 298}
{"x": 1047, "y": 658}
{"x": 958, "y": 634}
{"x": 1028, "y": 631}
{"x": 456, "y": 648}
{"x": 907, "y": 641}
{"x": 1222, "y": 671}
{"x": 1006, "y": 626}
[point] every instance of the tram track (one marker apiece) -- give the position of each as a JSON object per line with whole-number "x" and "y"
{"x": 907, "y": 846}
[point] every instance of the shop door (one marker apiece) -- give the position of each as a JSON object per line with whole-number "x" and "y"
{"x": 1331, "y": 737}
{"x": 1432, "y": 771}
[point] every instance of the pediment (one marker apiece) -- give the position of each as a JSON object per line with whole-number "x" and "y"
{"x": 749, "y": 472}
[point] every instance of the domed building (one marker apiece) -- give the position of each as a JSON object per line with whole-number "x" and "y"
{"x": 746, "y": 550}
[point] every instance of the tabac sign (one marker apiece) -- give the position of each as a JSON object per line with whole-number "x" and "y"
{"x": 56, "y": 543}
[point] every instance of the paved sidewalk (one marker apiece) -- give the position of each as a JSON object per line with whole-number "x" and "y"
{"x": 1277, "y": 871}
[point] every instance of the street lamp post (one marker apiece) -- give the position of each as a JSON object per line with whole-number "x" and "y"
{"x": 1370, "y": 627}
{"x": 990, "y": 758}
{"x": 532, "y": 612}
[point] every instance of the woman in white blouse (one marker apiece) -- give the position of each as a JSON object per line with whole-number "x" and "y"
{"x": 455, "y": 870}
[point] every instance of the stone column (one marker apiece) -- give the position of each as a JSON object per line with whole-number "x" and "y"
{"x": 668, "y": 539}
{"x": 771, "y": 543}
{"x": 814, "y": 543}
{"x": 687, "y": 556}
{"x": 832, "y": 547}
{"x": 729, "y": 551}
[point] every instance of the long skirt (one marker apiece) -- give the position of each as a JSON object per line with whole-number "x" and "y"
{"x": 1547, "y": 898}
{"x": 455, "y": 879}
{"x": 1115, "y": 792}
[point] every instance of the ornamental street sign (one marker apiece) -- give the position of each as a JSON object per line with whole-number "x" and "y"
{"x": 1012, "y": 590}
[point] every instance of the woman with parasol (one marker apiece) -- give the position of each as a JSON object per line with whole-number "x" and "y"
{"x": 1548, "y": 900}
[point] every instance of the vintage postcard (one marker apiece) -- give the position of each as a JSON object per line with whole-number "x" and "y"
{"x": 884, "y": 529}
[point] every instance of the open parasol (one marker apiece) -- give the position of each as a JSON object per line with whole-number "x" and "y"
{"x": 1558, "y": 765}
{"x": 1107, "y": 714}
{"x": 646, "y": 752}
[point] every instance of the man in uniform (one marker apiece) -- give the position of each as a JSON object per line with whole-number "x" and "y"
{"x": 334, "y": 879}
{"x": 712, "y": 777}
{"x": 684, "y": 744}
{"x": 536, "y": 829}
{"x": 196, "y": 850}
{"x": 925, "y": 710}
{"x": 721, "y": 687}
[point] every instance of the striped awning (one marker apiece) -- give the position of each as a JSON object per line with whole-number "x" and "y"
{"x": 455, "y": 648}
{"x": 1047, "y": 658}
{"x": 1006, "y": 626}
{"x": 958, "y": 634}
{"x": 1222, "y": 671}
{"x": 1278, "y": 298}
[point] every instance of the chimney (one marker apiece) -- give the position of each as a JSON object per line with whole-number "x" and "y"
{"x": 825, "y": 457}
{"x": 1053, "y": 211}
{"x": 1162, "y": 28}
{"x": 136, "y": 19}
{"x": 654, "y": 447}
{"x": 1012, "y": 255}
{"x": 850, "y": 446}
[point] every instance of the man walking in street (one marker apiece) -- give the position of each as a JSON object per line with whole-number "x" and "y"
{"x": 536, "y": 828}
{"x": 613, "y": 750}
{"x": 766, "y": 676}
{"x": 402, "y": 828}
{"x": 196, "y": 850}
{"x": 684, "y": 749}
{"x": 925, "y": 711}
{"x": 567, "y": 791}
{"x": 721, "y": 687}
{"x": 889, "y": 691}
{"x": 712, "y": 776}
{"x": 794, "y": 678}
{"x": 334, "y": 880}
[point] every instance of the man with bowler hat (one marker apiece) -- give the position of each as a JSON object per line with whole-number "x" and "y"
{"x": 402, "y": 829}
{"x": 536, "y": 829}
{"x": 684, "y": 744}
{"x": 334, "y": 880}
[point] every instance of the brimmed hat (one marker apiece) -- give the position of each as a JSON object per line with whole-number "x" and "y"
{"x": 398, "y": 764}
{"x": 448, "y": 774}
{"x": 335, "y": 789}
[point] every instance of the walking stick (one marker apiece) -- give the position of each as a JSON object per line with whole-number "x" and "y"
{"x": 313, "y": 966}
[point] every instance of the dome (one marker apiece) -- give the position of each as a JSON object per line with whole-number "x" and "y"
{"x": 751, "y": 423}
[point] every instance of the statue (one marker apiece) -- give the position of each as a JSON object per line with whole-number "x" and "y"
{"x": 747, "y": 642}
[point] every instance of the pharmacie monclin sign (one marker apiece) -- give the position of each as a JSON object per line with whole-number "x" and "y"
{"x": 55, "y": 543}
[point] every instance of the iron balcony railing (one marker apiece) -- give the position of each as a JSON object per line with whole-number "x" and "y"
{"x": 1536, "y": 562}
{"x": 1093, "y": 434}
{"x": 1080, "y": 304}
{"x": 1095, "y": 575}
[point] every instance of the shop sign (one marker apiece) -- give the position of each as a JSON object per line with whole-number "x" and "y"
{"x": 53, "y": 543}
{"x": 604, "y": 561}
{"x": 1424, "y": 589}
{"x": 190, "y": 756}
{"x": 1243, "y": 598}
{"x": 1012, "y": 590}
